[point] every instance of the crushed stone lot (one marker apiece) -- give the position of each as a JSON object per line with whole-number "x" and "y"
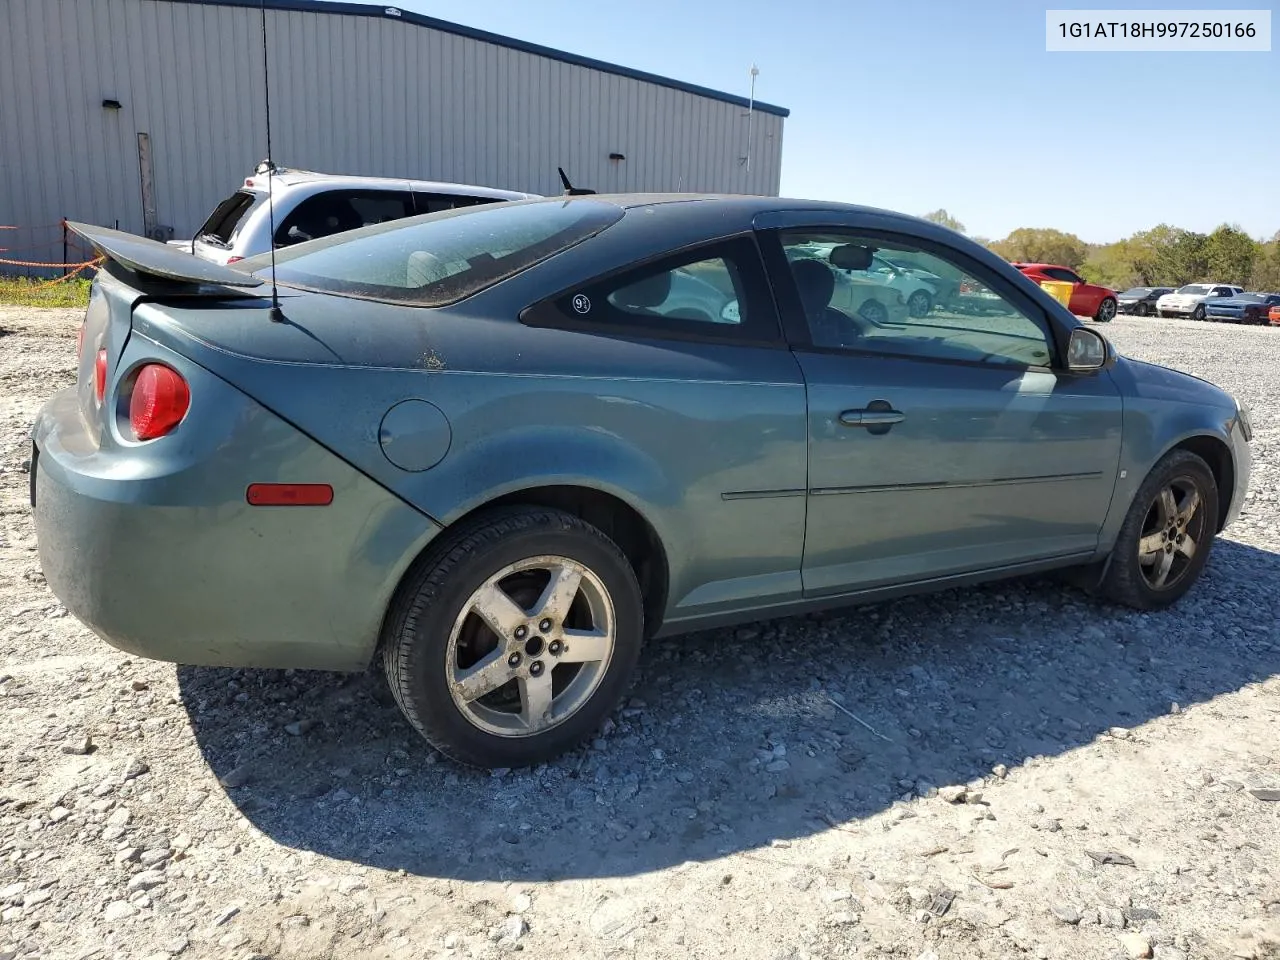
{"x": 1008, "y": 771}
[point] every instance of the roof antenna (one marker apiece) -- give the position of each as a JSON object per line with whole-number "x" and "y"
{"x": 276, "y": 315}
{"x": 569, "y": 189}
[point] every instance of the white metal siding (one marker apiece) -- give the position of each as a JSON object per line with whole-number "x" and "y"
{"x": 349, "y": 94}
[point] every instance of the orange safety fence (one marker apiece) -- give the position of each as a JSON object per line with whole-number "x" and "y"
{"x": 77, "y": 269}
{"x": 61, "y": 266}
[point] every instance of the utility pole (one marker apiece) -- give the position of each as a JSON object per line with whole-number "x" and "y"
{"x": 751, "y": 111}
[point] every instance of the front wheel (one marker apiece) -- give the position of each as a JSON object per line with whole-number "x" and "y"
{"x": 1106, "y": 311}
{"x": 919, "y": 304}
{"x": 516, "y": 636}
{"x": 1167, "y": 534}
{"x": 873, "y": 311}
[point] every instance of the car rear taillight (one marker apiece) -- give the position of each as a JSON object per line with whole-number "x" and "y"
{"x": 100, "y": 374}
{"x": 159, "y": 401}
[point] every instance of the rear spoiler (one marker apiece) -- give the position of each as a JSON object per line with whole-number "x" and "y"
{"x": 150, "y": 258}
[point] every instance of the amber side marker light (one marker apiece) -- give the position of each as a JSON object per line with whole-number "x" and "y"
{"x": 289, "y": 494}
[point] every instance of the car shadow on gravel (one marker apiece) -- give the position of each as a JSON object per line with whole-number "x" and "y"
{"x": 730, "y": 739}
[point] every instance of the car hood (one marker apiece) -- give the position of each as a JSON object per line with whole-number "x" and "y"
{"x": 1183, "y": 298}
{"x": 1154, "y": 382}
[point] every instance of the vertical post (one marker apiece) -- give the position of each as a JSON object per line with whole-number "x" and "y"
{"x": 751, "y": 116}
{"x": 65, "y": 268}
{"x": 148, "y": 188}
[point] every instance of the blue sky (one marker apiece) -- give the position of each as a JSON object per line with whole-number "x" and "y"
{"x": 916, "y": 105}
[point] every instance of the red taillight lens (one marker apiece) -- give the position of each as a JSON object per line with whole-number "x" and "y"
{"x": 159, "y": 401}
{"x": 100, "y": 374}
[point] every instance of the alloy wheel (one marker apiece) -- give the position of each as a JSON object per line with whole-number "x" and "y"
{"x": 530, "y": 646}
{"x": 1173, "y": 530}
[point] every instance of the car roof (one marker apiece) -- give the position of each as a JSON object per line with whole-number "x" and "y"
{"x": 298, "y": 178}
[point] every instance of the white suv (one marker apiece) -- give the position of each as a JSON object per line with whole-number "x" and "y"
{"x": 308, "y": 205}
{"x": 1188, "y": 301}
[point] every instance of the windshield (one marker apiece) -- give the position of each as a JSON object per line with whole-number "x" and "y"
{"x": 1195, "y": 289}
{"x": 1136, "y": 292}
{"x": 440, "y": 258}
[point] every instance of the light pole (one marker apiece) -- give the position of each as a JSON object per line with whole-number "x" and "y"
{"x": 751, "y": 105}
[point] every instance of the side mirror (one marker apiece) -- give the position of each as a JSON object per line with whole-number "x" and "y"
{"x": 1086, "y": 350}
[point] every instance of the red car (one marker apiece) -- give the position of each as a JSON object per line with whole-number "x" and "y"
{"x": 1274, "y": 316}
{"x": 1087, "y": 300}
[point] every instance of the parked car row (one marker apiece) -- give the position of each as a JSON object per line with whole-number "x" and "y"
{"x": 1223, "y": 302}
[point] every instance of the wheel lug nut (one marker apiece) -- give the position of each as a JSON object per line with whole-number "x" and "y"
{"x": 513, "y": 661}
{"x": 521, "y": 632}
{"x": 535, "y": 668}
{"x": 545, "y": 625}
{"x": 555, "y": 648}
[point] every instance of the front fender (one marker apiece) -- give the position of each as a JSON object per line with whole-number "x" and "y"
{"x": 1152, "y": 428}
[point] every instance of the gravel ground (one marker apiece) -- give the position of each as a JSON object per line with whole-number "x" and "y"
{"x": 999, "y": 772}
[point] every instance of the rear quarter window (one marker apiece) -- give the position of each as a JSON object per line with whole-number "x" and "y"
{"x": 228, "y": 217}
{"x": 440, "y": 258}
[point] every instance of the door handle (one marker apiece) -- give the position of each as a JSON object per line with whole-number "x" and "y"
{"x": 878, "y": 413}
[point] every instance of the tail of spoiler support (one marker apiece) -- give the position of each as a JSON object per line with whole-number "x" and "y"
{"x": 154, "y": 261}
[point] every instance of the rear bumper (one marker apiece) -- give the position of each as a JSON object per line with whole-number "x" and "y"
{"x": 158, "y": 552}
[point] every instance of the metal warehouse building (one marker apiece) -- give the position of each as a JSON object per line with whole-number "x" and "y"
{"x": 146, "y": 113}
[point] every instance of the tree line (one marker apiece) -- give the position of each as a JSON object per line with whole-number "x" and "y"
{"x": 1164, "y": 256}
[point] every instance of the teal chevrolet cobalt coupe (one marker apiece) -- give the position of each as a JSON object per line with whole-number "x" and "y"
{"x": 497, "y": 448}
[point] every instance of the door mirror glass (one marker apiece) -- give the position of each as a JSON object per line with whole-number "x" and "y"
{"x": 1086, "y": 350}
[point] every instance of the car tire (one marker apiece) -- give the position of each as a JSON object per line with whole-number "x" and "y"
{"x": 1149, "y": 568}
{"x": 873, "y": 311}
{"x": 1106, "y": 311}
{"x": 1144, "y": 310}
{"x": 919, "y": 304}
{"x": 1198, "y": 312}
{"x": 435, "y": 643}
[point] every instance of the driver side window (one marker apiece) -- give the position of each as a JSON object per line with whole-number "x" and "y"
{"x": 862, "y": 294}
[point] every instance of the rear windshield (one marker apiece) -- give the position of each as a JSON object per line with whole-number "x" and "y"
{"x": 226, "y": 218}
{"x": 440, "y": 258}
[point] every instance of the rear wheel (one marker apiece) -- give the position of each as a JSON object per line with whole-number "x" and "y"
{"x": 515, "y": 638}
{"x": 1167, "y": 534}
{"x": 1106, "y": 311}
{"x": 1198, "y": 312}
